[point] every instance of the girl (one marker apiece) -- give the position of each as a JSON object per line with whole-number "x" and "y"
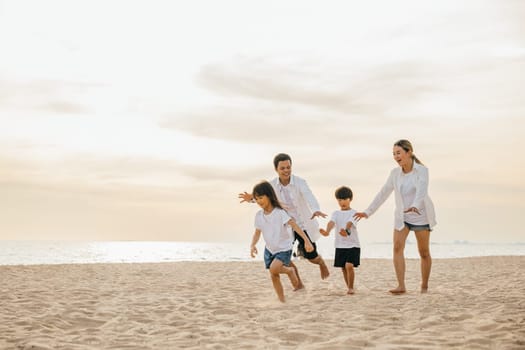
{"x": 276, "y": 226}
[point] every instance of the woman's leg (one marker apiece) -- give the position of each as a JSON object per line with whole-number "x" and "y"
{"x": 423, "y": 245}
{"x": 400, "y": 238}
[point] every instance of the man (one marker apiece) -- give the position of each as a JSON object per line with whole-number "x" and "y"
{"x": 300, "y": 203}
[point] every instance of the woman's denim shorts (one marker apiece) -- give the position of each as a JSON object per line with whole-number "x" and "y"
{"x": 415, "y": 228}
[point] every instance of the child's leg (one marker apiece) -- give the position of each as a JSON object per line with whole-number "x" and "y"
{"x": 345, "y": 275}
{"x": 276, "y": 268}
{"x": 299, "y": 284}
{"x": 350, "y": 275}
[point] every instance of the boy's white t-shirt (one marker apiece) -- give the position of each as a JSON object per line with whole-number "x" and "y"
{"x": 340, "y": 218}
{"x": 277, "y": 234}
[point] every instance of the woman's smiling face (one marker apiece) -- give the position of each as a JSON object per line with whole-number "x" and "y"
{"x": 402, "y": 157}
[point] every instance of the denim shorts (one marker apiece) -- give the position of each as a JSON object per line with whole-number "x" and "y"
{"x": 285, "y": 257}
{"x": 415, "y": 228}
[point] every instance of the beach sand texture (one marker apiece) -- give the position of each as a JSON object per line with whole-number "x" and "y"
{"x": 473, "y": 303}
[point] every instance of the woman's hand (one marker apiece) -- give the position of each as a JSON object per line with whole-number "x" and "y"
{"x": 358, "y": 216}
{"x": 412, "y": 210}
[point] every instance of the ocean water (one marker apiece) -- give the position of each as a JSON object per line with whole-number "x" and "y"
{"x": 86, "y": 252}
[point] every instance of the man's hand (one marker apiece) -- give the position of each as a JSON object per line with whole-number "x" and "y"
{"x": 245, "y": 196}
{"x": 318, "y": 213}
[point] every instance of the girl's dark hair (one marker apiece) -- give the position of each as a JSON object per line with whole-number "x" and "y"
{"x": 407, "y": 146}
{"x": 344, "y": 192}
{"x": 264, "y": 188}
{"x": 281, "y": 157}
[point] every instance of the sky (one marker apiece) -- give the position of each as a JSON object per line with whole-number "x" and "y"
{"x": 143, "y": 120}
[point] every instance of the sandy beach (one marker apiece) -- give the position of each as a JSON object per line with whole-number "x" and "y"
{"x": 473, "y": 303}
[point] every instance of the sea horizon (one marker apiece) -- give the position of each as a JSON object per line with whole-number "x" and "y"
{"x": 38, "y": 252}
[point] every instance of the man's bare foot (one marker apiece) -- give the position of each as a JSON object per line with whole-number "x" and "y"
{"x": 324, "y": 270}
{"x": 398, "y": 290}
{"x": 350, "y": 291}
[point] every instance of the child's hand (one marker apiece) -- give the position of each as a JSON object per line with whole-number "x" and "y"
{"x": 343, "y": 232}
{"x": 253, "y": 251}
{"x": 308, "y": 246}
{"x": 323, "y": 232}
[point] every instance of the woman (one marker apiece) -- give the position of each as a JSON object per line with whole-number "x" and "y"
{"x": 414, "y": 211}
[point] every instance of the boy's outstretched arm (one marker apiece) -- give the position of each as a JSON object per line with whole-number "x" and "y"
{"x": 255, "y": 239}
{"x": 329, "y": 228}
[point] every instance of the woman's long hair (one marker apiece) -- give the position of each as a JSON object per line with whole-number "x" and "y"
{"x": 407, "y": 146}
{"x": 264, "y": 188}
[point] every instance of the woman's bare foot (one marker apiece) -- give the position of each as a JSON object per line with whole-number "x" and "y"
{"x": 350, "y": 291}
{"x": 398, "y": 290}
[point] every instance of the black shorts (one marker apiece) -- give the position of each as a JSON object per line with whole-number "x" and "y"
{"x": 344, "y": 255}
{"x": 300, "y": 247}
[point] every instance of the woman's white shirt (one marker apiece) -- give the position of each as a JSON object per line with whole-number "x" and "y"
{"x": 421, "y": 199}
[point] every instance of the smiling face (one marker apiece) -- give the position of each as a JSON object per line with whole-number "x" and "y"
{"x": 403, "y": 158}
{"x": 284, "y": 170}
{"x": 263, "y": 201}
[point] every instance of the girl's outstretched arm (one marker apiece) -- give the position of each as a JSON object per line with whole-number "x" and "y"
{"x": 255, "y": 239}
{"x": 307, "y": 244}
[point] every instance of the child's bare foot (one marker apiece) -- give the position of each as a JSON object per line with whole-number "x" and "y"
{"x": 398, "y": 290}
{"x": 299, "y": 286}
{"x": 293, "y": 278}
{"x": 324, "y": 270}
{"x": 424, "y": 290}
{"x": 350, "y": 291}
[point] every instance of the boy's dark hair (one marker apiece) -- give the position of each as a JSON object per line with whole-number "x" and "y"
{"x": 264, "y": 188}
{"x": 281, "y": 157}
{"x": 344, "y": 192}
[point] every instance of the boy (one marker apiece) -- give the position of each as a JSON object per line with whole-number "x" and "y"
{"x": 347, "y": 248}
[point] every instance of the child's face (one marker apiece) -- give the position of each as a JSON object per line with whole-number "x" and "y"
{"x": 344, "y": 204}
{"x": 262, "y": 201}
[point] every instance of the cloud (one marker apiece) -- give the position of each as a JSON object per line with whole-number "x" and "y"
{"x": 56, "y": 96}
{"x": 325, "y": 86}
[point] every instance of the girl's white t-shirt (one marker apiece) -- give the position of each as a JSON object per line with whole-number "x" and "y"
{"x": 341, "y": 218}
{"x": 277, "y": 234}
